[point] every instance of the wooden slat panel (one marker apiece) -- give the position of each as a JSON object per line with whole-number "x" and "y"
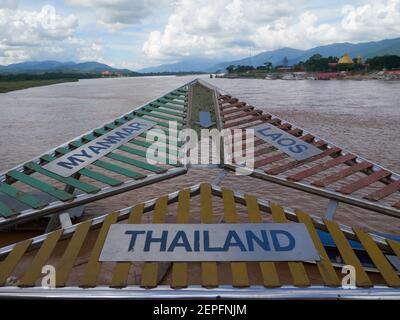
{"x": 325, "y": 181}
{"x": 93, "y": 266}
{"x": 240, "y": 277}
{"x": 347, "y": 253}
{"x": 230, "y": 111}
{"x": 68, "y": 259}
{"x": 121, "y": 271}
{"x": 268, "y": 269}
{"x": 395, "y": 245}
{"x": 244, "y": 121}
{"x": 40, "y": 185}
{"x": 280, "y": 156}
{"x": 180, "y": 269}
{"x": 69, "y": 181}
{"x": 34, "y": 270}
{"x": 324, "y": 265}
{"x": 21, "y": 196}
{"x": 364, "y": 182}
{"x": 5, "y": 211}
{"x": 299, "y": 274}
{"x": 378, "y": 258}
{"x": 150, "y": 269}
{"x": 294, "y": 164}
{"x": 136, "y": 163}
{"x": 159, "y": 116}
{"x": 9, "y": 263}
{"x": 90, "y": 173}
{"x": 164, "y": 110}
{"x": 241, "y": 115}
{"x": 384, "y": 192}
{"x": 321, "y": 167}
{"x": 209, "y": 271}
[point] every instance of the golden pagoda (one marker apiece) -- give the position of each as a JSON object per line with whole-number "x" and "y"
{"x": 345, "y": 59}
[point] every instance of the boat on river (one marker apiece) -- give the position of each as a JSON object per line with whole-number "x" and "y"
{"x": 181, "y": 244}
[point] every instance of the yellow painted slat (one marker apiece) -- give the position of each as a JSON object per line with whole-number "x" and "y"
{"x": 121, "y": 271}
{"x": 347, "y": 253}
{"x": 34, "y": 270}
{"x": 380, "y": 261}
{"x": 9, "y": 263}
{"x": 395, "y": 245}
{"x": 240, "y": 277}
{"x": 325, "y": 265}
{"x": 209, "y": 271}
{"x": 71, "y": 253}
{"x": 268, "y": 269}
{"x": 299, "y": 274}
{"x": 150, "y": 269}
{"x": 93, "y": 266}
{"x": 180, "y": 269}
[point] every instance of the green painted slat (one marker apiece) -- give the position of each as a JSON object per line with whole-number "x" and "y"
{"x": 120, "y": 170}
{"x": 160, "y": 123}
{"x": 5, "y": 211}
{"x": 89, "y": 173}
{"x": 69, "y": 181}
{"x": 158, "y": 116}
{"x": 112, "y": 167}
{"x": 143, "y": 154}
{"x": 40, "y": 185}
{"x": 168, "y": 106}
{"x": 179, "y": 98}
{"x": 147, "y": 144}
{"x": 21, "y": 196}
{"x": 166, "y": 111}
{"x": 178, "y": 104}
{"x": 136, "y": 163}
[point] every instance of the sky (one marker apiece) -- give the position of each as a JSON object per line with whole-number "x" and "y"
{"x": 141, "y": 33}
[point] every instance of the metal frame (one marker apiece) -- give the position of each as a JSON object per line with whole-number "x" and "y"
{"x": 222, "y": 292}
{"x": 330, "y": 194}
{"x": 59, "y": 206}
{"x": 195, "y": 190}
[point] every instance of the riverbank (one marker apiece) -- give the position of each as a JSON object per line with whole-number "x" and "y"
{"x": 380, "y": 75}
{"x": 8, "y": 86}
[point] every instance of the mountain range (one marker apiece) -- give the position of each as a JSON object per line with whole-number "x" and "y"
{"x": 365, "y": 49}
{"x": 39, "y": 67}
{"x": 199, "y": 64}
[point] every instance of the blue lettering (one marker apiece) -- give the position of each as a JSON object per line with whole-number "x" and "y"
{"x": 197, "y": 241}
{"x": 207, "y": 247}
{"x": 298, "y": 148}
{"x": 277, "y": 244}
{"x": 180, "y": 236}
{"x": 285, "y": 144}
{"x": 150, "y": 240}
{"x": 134, "y": 235}
{"x": 233, "y": 240}
{"x": 96, "y": 150}
{"x": 73, "y": 161}
{"x": 251, "y": 238}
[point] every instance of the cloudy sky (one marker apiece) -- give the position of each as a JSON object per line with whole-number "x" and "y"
{"x": 141, "y": 33}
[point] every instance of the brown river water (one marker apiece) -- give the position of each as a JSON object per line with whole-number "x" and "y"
{"x": 362, "y": 116}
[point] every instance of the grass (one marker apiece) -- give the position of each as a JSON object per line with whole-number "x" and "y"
{"x": 202, "y": 100}
{"x": 7, "y": 86}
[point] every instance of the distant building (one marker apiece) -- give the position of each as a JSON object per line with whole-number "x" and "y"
{"x": 359, "y": 60}
{"x": 106, "y": 73}
{"x": 327, "y": 75}
{"x": 345, "y": 59}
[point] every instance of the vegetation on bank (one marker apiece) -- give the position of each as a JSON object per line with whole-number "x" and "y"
{"x": 318, "y": 63}
{"x": 7, "y": 86}
{"x": 12, "y": 82}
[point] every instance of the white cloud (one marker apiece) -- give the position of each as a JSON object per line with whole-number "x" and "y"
{"x": 43, "y": 34}
{"x": 119, "y": 14}
{"x": 231, "y": 27}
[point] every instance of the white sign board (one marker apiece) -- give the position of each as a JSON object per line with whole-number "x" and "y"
{"x": 209, "y": 242}
{"x": 81, "y": 157}
{"x": 291, "y": 145}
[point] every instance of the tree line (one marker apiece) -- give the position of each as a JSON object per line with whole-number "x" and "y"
{"x": 318, "y": 63}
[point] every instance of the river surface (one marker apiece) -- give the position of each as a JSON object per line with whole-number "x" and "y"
{"x": 362, "y": 116}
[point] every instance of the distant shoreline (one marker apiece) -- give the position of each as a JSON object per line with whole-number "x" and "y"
{"x": 8, "y": 86}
